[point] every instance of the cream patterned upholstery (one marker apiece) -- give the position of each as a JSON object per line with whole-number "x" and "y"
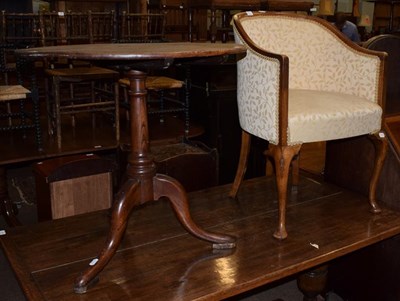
{"x": 302, "y": 81}
{"x": 333, "y": 86}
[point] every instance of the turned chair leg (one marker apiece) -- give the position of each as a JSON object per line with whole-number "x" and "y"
{"x": 381, "y": 145}
{"x": 283, "y": 156}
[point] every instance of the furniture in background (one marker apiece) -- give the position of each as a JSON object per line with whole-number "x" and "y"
{"x": 213, "y": 104}
{"x": 386, "y": 16}
{"x": 192, "y": 163}
{"x": 52, "y": 28}
{"x": 10, "y": 93}
{"x": 80, "y": 87}
{"x": 19, "y": 29}
{"x": 71, "y": 185}
{"x": 166, "y": 95}
{"x": 14, "y": 116}
{"x": 99, "y": 95}
{"x": 90, "y": 27}
{"x": 389, "y": 43}
{"x": 334, "y": 91}
{"x": 101, "y": 5}
{"x": 141, "y": 28}
{"x": 225, "y": 6}
{"x": 19, "y": 111}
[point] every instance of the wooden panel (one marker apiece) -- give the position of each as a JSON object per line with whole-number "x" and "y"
{"x": 81, "y": 195}
{"x": 72, "y": 185}
{"x": 386, "y": 16}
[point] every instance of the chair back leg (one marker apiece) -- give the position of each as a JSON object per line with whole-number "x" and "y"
{"x": 381, "y": 146}
{"x": 242, "y": 166}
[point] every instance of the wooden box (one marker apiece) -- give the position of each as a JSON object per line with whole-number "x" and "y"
{"x": 73, "y": 185}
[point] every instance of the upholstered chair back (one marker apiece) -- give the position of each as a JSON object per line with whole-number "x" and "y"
{"x": 319, "y": 57}
{"x": 298, "y": 56}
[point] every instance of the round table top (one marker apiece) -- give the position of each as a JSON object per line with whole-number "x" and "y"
{"x": 133, "y": 51}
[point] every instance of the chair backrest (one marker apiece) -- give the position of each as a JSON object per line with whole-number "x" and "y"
{"x": 320, "y": 57}
{"x": 102, "y": 27}
{"x": 50, "y": 28}
{"x": 136, "y": 28}
{"x": 20, "y": 29}
{"x": 291, "y": 51}
{"x": 57, "y": 28}
{"x": 76, "y": 28}
{"x": 390, "y": 44}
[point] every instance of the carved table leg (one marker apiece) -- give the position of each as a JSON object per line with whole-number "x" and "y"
{"x": 143, "y": 185}
{"x": 6, "y": 208}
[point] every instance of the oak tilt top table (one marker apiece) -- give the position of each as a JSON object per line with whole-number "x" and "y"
{"x": 143, "y": 184}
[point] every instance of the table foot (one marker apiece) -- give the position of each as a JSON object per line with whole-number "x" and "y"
{"x": 165, "y": 186}
{"x": 83, "y": 289}
{"x": 126, "y": 199}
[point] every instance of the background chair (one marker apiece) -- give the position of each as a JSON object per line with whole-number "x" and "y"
{"x": 390, "y": 44}
{"x": 302, "y": 81}
{"x": 166, "y": 95}
{"x": 20, "y": 29}
{"x": 51, "y": 28}
{"x": 17, "y": 30}
{"x": 141, "y": 28}
{"x": 90, "y": 27}
{"x": 19, "y": 111}
{"x": 82, "y": 87}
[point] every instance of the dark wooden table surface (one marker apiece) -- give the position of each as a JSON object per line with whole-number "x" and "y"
{"x": 159, "y": 260}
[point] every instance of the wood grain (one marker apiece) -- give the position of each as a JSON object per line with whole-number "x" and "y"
{"x": 159, "y": 260}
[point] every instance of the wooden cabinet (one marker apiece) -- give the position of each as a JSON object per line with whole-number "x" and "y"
{"x": 386, "y": 16}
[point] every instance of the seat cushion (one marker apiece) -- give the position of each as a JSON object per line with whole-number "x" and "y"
{"x": 157, "y": 83}
{"x": 321, "y": 116}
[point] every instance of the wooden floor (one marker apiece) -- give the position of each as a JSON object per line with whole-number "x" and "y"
{"x": 158, "y": 260}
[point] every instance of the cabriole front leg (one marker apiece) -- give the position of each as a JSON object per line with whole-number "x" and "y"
{"x": 283, "y": 156}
